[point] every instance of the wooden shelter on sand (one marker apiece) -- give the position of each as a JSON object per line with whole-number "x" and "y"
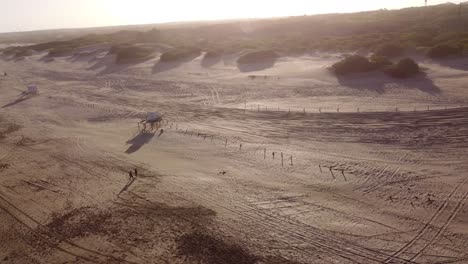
{"x": 153, "y": 119}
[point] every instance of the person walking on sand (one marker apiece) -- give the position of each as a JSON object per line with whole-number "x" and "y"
{"x": 136, "y": 172}
{"x": 130, "y": 175}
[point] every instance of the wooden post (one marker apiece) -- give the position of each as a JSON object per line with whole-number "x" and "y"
{"x": 331, "y": 171}
{"x": 264, "y": 153}
{"x": 292, "y": 164}
{"x": 320, "y": 167}
{"x": 225, "y": 143}
{"x": 273, "y": 154}
{"x": 240, "y": 147}
{"x": 282, "y": 163}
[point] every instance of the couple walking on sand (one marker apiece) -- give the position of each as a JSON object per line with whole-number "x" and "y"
{"x": 131, "y": 175}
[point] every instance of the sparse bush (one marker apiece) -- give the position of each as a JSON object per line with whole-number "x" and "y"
{"x": 60, "y": 51}
{"x": 132, "y": 54}
{"x": 352, "y": 64}
{"x": 180, "y": 54}
{"x": 444, "y": 50}
{"x": 390, "y": 50}
{"x": 212, "y": 55}
{"x": 23, "y": 53}
{"x": 116, "y": 48}
{"x": 403, "y": 69}
{"x": 261, "y": 56}
{"x": 380, "y": 61}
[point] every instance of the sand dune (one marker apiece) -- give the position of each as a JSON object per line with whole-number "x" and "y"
{"x": 247, "y": 169}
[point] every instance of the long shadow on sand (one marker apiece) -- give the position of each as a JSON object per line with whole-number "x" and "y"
{"x": 251, "y": 67}
{"x": 139, "y": 141}
{"x": 162, "y": 66}
{"x": 379, "y": 82}
{"x": 23, "y": 97}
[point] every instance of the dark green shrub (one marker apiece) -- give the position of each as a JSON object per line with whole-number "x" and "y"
{"x": 380, "y": 61}
{"x": 61, "y": 51}
{"x": 116, "y": 48}
{"x": 133, "y": 54}
{"x": 23, "y": 53}
{"x": 261, "y": 56}
{"x": 444, "y": 50}
{"x": 390, "y": 50}
{"x": 212, "y": 55}
{"x": 352, "y": 64}
{"x": 180, "y": 54}
{"x": 403, "y": 69}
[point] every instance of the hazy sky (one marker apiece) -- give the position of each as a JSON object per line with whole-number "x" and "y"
{"x": 23, "y": 15}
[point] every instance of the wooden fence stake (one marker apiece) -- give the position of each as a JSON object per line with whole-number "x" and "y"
{"x": 282, "y": 163}
{"x": 331, "y": 171}
{"x": 264, "y": 153}
{"x": 320, "y": 167}
{"x": 240, "y": 147}
{"x": 225, "y": 143}
{"x": 292, "y": 164}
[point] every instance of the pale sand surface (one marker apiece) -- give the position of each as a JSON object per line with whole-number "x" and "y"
{"x": 396, "y": 192}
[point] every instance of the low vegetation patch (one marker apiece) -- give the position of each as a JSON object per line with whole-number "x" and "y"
{"x": 130, "y": 54}
{"x": 60, "y": 51}
{"x": 213, "y": 55}
{"x": 380, "y": 61}
{"x": 18, "y": 52}
{"x": 352, "y": 64}
{"x": 444, "y": 50}
{"x": 261, "y": 56}
{"x": 180, "y": 54}
{"x": 403, "y": 69}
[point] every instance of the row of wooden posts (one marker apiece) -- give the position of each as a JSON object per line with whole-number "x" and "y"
{"x": 226, "y": 142}
{"x": 331, "y": 168}
{"x": 259, "y": 108}
{"x": 273, "y": 153}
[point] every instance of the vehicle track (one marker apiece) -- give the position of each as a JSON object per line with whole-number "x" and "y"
{"x": 428, "y": 224}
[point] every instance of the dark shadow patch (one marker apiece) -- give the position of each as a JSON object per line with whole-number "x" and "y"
{"x": 377, "y": 82}
{"x": 212, "y": 250}
{"x": 22, "y": 98}
{"x": 251, "y": 67}
{"x": 81, "y": 222}
{"x": 139, "y": 141}
{"x": 162, "y": 66}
